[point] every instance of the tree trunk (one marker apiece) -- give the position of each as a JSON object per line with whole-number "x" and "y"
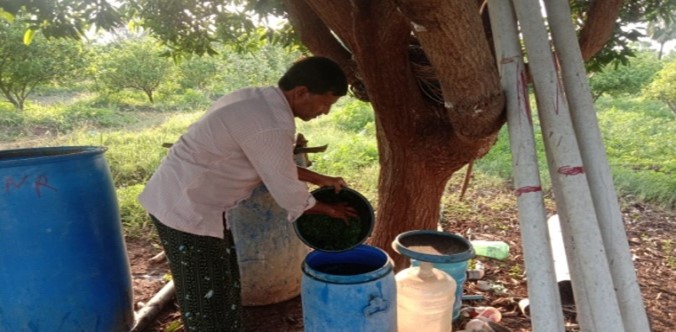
{"x": 149, "y": 93}
{"x": 409, "y": 199}
{"x": 11, "y": 99}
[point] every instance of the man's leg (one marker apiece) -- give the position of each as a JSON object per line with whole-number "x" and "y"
{"x": 206, "y": 277}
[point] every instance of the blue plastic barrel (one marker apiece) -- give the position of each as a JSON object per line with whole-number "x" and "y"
{"x": 63, "y": 262}
{"x": 349, "y": 291}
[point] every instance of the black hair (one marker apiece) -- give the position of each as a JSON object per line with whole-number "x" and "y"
{"x": 319, "y": 74}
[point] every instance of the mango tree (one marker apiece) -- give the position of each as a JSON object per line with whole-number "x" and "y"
{"x": 133, "y": 64}
{"x": 25, "y": 67}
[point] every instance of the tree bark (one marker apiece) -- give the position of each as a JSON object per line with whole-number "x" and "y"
{"x": 316, "y": 35}
{"x": 598, "y": 26}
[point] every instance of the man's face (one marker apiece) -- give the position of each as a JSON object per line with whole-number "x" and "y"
{"x": 308, "y": 106}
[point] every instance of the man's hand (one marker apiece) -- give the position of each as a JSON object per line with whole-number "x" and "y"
{"x": 336, "y": 182}
{"x": 339, "y": 210}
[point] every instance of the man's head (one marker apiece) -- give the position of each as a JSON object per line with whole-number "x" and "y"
{"x": 312, "y": 85}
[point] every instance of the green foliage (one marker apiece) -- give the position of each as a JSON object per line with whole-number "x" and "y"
{"x": 60, "y": 118}
{"x": 640, "y": 151}
{"x": 254, "y": 69}
{"x": 352, "y": 151}
{"x": 664, "y": 86}
{"x": 626, "y": 79}
{"x": 11, "y": 122}
{"x": 497, "y": 163}
{"x": 69, "y": 18}
{"x": 619, "y": 49}
{"x": 198, "y": 72}
{"x": 649, "y": 107}
{"x": 194, "y": 27}
{"x": 134, "y": 218}
{"x": 353, "y": 115}
{"x": 189, "y": 100}
{"x": 25, "y": 67}
{"x": 133, "y": 64}
{"x": 639, "y": 141}
{"x": 133, "y": 155}
{"x": 83, "y": 115}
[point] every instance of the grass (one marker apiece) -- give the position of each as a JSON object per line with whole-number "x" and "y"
{"x": 640, "y": 144}
{"x": 668, "y": 247}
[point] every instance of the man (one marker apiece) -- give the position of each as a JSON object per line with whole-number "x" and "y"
{"x": 246, "y": 137}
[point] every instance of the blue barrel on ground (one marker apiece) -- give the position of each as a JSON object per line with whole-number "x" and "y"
{"x": 64, "y": 264}
{"x": 349, "y": 291}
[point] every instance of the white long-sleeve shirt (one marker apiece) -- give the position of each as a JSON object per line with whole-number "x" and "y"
{"x": 246, "y": 137}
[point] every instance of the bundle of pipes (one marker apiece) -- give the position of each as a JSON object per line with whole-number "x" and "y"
{"x": 605, "y": 287}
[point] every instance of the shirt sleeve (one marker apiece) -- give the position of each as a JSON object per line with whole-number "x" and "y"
{"x": 271, "y": 154}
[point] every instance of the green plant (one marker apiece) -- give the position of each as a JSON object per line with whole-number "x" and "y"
{"x": 664, "y": 86}
{"x": 516, "y": 272}
{"x": 198, "y": 72}
{"x": 352, "y": 115}
{"x": 25, "y": 67}
{"x": 498, "y": 161}
{"x": 640, "y": 152}
{"x": 134, "y": 218}
{"x": 133, "y": 64}
{"x": 626, "y": 79}
{"x": 265, "y": 67}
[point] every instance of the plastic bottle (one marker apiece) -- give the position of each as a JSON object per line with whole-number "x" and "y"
{"x": 492, "y": 249}
{"x": 425, "y": 297}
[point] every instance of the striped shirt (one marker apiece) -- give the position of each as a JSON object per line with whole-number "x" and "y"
{"x": 246, "y": 137}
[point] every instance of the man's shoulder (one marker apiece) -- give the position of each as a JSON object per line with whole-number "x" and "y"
{"x": 251, "y": 93}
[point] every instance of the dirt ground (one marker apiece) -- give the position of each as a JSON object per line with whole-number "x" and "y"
{"x": 650, "y": 231}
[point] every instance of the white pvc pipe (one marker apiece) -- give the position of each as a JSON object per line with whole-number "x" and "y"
{"x": 558, "y": 249}
{"x": 543, "y": 295}
{"x": 596, "y": 165}
{"x": 592, "y": 272}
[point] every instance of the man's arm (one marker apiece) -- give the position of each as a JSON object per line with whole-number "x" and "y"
{"x": 337, "y": 210}
{"x": 307, "y": 175}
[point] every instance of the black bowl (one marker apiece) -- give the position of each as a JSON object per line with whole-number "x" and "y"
{"x": 329, "y": 234}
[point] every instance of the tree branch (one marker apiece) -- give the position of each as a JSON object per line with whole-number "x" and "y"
{"x": 317, "y": 37}
{"x": 599, "y": 26}
{"x": 468, "y": 77}
{"x": 150, "y": 311}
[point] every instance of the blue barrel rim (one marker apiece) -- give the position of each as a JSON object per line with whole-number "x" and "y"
{"x": 385, "y": 269}
{"x": 19, "y": 157}
{"x": 399, "y": 247}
